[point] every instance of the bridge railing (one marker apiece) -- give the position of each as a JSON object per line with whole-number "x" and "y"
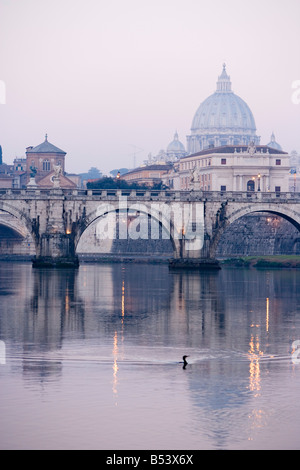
{"x": 151, "y": 195}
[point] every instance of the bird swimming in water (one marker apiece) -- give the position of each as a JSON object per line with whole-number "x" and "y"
{"x": 185, "y": 363}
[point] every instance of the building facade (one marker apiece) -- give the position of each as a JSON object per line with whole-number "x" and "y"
{"x": 43, "y": 157}
{"x": 251, "y": 168}
{"x": 42, "y": 163}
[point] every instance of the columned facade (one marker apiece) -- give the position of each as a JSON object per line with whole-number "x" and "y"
{"x": 228, "y": 168}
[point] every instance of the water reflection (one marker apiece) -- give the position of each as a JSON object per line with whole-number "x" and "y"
{"x": 115, "y": 365}
{"x": 206, "y": 312}
{"x": 236, "y": 325}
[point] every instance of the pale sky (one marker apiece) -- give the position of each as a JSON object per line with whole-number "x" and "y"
{"x": 101, "y": 77}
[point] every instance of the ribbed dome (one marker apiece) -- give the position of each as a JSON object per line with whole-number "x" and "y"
{"x": 222, "y": 119}
{"x": 223, "y": 110}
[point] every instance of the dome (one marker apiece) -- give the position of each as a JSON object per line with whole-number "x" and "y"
{"x": 176, "y": 146}
{"x": 222, "y": 119}
{"x": 223, "y": 109}
{"x": 273, "y": 144}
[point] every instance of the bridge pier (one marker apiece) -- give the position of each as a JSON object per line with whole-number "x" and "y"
{"x": 56, "y": 250}
{"x": 200, "y": 264}
{"x": 194, "y": 259}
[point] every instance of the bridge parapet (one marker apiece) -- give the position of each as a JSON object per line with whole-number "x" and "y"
{"x": 150, "y": 195}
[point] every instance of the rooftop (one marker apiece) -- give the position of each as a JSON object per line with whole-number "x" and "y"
{"x": 45, "y": 147}
{"x": 159, "y": 166}
{"x": 236, "y": 149}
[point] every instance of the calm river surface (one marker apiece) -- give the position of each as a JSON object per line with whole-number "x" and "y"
{"x": 91, "y": 358}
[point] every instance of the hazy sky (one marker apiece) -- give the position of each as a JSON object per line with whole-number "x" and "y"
{"x": 101, "y": 77}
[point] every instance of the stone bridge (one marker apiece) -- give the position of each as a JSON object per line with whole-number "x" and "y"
{"x": 193, "y": 220}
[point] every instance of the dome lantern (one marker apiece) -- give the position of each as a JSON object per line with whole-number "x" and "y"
{"x": 224, "y": 83}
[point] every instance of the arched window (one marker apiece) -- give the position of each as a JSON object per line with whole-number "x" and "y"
{"x": 250, "y": 185}
{"x": 46, "y": 165}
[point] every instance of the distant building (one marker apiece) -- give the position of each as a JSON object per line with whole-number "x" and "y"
{"x": 6, "y": 181}
{"x": 6, "y": 175}
{"x": 41, "y": 160}
{"x": 273, "y": 144}
{"x": 147, "y": 174}
{"x": 19, "y": 173}
{"x": 252, "y": 168}
{"x": 175, "y": 151}
{"x": 222, "y": 119}
{"x": 171, "y": 179}
{"x": 224, "y": 152}
{"x": 20, "y": 164}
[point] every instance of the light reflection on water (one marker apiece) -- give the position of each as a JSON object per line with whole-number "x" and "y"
{"x": 92, "y": 358}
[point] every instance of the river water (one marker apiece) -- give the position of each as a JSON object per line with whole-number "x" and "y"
{"x": 89, "y": 359}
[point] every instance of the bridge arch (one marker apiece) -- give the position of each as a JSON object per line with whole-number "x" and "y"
{"x": 24, "y": 226}
{"x": 106, "y": 209}
{"x": 232, "y": 214}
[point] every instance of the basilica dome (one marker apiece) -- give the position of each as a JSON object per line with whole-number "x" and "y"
{"x": 176, "y": 147}
{"x": 222, "y": 119}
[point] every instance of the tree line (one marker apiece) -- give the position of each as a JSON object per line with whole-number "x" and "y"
{"x": 115, "y": 183}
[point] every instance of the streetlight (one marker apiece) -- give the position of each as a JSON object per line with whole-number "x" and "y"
{"x": 294, "y": 172}
{"x": 258, "y": 176}
{"x": 118, "y": 179}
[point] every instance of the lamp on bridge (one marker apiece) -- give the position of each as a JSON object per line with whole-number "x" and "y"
{"x": 258, "y": 176}
{"x": 68, "y": 229}
{"x": 118, "y": 179}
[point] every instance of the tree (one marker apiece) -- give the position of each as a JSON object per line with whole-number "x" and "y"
{"x": 112, "y": 183}
{"x": 94, "y": 173}
{"x": 122, "y": 171}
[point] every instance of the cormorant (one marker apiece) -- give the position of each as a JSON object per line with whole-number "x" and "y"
{"x": 185, "y": 363}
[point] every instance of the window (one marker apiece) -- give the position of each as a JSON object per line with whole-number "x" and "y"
{"x": 46, "y": 165}
{"x": 223, "y": 161}
{"x": 223, "y": 188}
{"x": 278, "y": 162}
{"x": 250, "y": 185}
{"x": 277, "y": 189}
